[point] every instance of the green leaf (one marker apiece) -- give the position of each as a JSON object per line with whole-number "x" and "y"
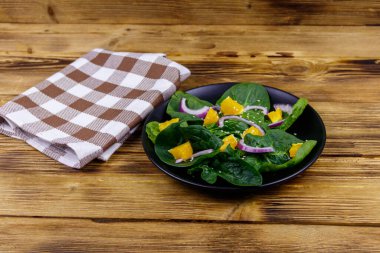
{"x": 282, "y": 141}
{"x": 233, "y": 170}
{"x": 217, "y": 131}
{"x": 261, "y": 162}
{"x": 258, "y": 141}
{"x": 256, "y": 116}
{"x": 277, "y": 157}
{"x": 208, "y": 174}
{"x": 298, "y": 108}
{"x": 174, "y": 135}
{"x": 191, "y": 101}
{"x": 200, "y": 138}
{"x": 152, "y": 130}
{"x": 247, "y": 94}
{"x": 236, "y": 153}
{"x": 234, "y": 127}
{"x": 237, "y": 172}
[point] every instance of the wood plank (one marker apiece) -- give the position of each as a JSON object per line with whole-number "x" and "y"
{"x": 295, "y": 12}
{"x": 334, "y": 191}
{"x": 80, "y": 235}
{"x": 335, "y": 85}
{"x": 252, "y": 42}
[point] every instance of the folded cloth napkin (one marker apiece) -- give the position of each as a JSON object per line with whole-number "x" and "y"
{"x": 86, "y": 110}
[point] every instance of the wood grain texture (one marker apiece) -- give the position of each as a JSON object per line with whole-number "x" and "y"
{"x": 240, "y": 12}
{"x": 128, "y": 182}
{"x": 334, "y": 191}
{"x": 80, "y": 235}
{"x": 238, "y": 42}
{"x": 127, "y": 204}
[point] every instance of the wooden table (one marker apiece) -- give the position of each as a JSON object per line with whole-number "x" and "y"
{"x": 326, "y": 51}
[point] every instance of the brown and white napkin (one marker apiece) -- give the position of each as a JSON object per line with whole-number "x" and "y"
{"x": 89, "y": 108}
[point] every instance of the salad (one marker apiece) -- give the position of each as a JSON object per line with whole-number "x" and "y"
{"x": 238, "y": 139}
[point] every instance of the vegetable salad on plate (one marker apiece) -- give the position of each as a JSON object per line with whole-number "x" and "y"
{"x": 238, "y": 139}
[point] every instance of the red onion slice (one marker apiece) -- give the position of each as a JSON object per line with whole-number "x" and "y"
{"x": 201, "y": 113}
{"x": 256, "y": 107}
{"x": 203, "y": 152}
{"x": 255, "y": 150}
{"x": 284, "y": 107}
{"x": 222, "y": 119}
{"x": 276, "y": 124}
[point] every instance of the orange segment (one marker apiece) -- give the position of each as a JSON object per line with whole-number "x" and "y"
{"x": 167, "y": 123}
{"x": 275, "y": 116}
{"x": 293, "y": 150}
{"x": 252, "y": 130}
{"x": 183, "y": 151}
{"x": 211, "y": 117}
{"x": 231, "y": 107}
{"x": 229, "y": 140}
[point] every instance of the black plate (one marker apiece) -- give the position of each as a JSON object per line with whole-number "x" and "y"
{"x": 309, "y": 126}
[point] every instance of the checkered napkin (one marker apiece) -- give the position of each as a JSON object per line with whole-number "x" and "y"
{"x": 89, "y": 108}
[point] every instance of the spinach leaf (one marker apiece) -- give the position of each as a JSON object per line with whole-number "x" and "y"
{"x": 200, "y": 138}
{"x": 208, "y": 174}
{"x": 282, "y": 141}
{"x": 191, "y": 101}
{"x": 230, "y": 152}
{"x": 174, "y": 135}
{"x": 168, "y": 138}
{"x": 234, "y": 127}
{"x": 263, "y": 164}
{"x": 247, "y": 94}
{"x": 234, "y": 170}
{"x": 237, "y": 172}
{"x": 256, "y": 116}
{"x": 152, "y": 130}
{"x": 258, "y": 141}
{"x": 217, "y": 131}
{"x": 298, "y": 108}
{"x": 277, "y": 157}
